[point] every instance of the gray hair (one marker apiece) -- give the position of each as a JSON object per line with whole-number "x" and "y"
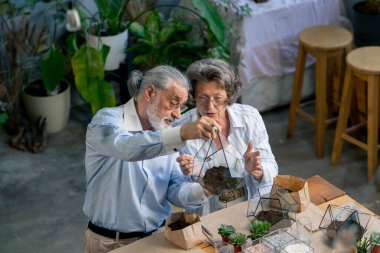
{"x": 160, "y": 77}
{"x": 208, "y": 70}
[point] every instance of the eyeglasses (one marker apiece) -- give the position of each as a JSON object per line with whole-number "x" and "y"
{"x": 175, "y": 105}
{"x": 216, "y": 101}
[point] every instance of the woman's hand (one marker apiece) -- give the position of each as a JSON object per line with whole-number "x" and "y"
{"x": 186, "y": 163}
{"x": 252, "y": 162}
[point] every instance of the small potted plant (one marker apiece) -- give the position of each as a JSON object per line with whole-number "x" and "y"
{"x": 225, "y": 231}
{"x": 258, "y": 229}
{"x": 237, "y": 240}
{"x": 368, "y": 243}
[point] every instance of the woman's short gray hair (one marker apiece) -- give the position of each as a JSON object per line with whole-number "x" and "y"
{"x": 160, "y": 77}
{"x": 208, "y": 70}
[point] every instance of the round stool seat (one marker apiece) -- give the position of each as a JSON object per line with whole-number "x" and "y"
{"x": 325, "y": 37}
{"x": 365, "y": 60}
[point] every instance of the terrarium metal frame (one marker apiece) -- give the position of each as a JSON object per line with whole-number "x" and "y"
{"x": 264, "y": 203}
{"x": 228, "y": 182}
{"x": 336, "y": 219}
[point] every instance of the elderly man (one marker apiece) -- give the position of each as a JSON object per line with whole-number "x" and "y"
{"x": 131, "y": 168}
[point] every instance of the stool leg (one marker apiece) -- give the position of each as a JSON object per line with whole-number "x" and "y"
{"x": 321, "y": 103}
{"x": 372, "y": 124}
{"x": 297, "y": 90}
{"x": 343, "y": 116}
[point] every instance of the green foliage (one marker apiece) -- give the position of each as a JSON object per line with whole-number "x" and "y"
{"x": 110, "y": 12}
{"x": 226, "y": 230}
{"x": 237, "y": 239}
{"x": 88, "y": 68}
{"x": 3, "y": 119}
{"x": 258, "y": 228}
{"x": 366, "y": 242}
{"x": 53, "y": 68}
{"x": 161, "y": 41}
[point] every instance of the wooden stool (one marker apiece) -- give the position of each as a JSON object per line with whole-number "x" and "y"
{"x": 324, "y": 43}
{"x": 362, "y": 63}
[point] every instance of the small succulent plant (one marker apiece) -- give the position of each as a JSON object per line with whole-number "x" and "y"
{"x": 259, "y": 228}
{"x": 237, "y": 239}
{"x": 225, "y": 230}
{"x": 366, "y": 242}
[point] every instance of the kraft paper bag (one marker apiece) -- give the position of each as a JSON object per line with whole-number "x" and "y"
{"x": 187, "y": 237}
{"x": 293, "y": 193}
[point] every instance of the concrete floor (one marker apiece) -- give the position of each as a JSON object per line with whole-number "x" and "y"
{"x": 41, "y": 195}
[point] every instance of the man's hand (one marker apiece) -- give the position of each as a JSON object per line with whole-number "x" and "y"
{"x": 186, "y": 162}
{"x": 252, "y": 162}
{"x": 203, "y": 128}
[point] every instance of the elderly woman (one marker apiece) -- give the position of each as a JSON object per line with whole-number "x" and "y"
{"x": 215, "y": 88}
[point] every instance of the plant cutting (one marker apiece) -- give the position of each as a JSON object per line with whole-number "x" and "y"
{"x": 258, "y": 229}
{"x": 225, "y": 231}
{"x": 238, "y": 240}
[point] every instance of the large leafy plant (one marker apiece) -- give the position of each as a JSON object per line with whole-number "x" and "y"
{"x": 161, "y": 41}
{"x": 88, "y": 68}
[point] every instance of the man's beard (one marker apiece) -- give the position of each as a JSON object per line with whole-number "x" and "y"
{"x": 156, "y": 122}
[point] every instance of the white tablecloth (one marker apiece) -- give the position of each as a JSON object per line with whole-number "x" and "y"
{"x": 268, "y": 46}
{"x": 271, "y": 33}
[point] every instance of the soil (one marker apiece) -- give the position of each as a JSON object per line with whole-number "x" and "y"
{"x": 178, "y": 225}
{"x": 270, "y": 216}
{"x": 37, "y": 89}
{"x": 218, "y": 179}
{"x": 339, "y": 226}
{"x": 368, "y": 8}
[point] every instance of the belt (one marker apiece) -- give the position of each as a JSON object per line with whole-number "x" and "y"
{"x": 232, "y": 195}
{"x": 113, "y": 234}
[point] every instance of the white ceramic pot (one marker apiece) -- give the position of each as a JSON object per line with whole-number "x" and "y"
{"x": 54, "y": 108}
{"x": 117, "y": 44}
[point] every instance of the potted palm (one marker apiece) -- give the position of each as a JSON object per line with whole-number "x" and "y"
{"x": 365, "y": 23}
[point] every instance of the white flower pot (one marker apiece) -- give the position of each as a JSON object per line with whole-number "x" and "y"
{"x": 54, "y": 108}
{"x": 117, "y": 44}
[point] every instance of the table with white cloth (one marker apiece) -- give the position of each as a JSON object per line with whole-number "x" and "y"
{"x": 269, "y": 42}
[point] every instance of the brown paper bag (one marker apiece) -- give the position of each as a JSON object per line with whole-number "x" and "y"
{"x": 293, "y": 193}
{"x": 187, "y": 237}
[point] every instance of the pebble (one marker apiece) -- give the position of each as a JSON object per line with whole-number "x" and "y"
{"x": 297, "y": 248}
{"x": 279, "y": 240}
{"x": 258, "y": 248}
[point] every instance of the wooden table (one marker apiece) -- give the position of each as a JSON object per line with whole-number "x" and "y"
{"x": 234, "y": 215}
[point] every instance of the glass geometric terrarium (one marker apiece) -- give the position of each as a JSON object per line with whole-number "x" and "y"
{"x": 337, "y": 220}
{"x": 261, "y": 207}
{"x": 276, "y": 240}
{"x": 297, "y": 246}
{"x": 256, "y": 246}
{"x": 218, "y": 166}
